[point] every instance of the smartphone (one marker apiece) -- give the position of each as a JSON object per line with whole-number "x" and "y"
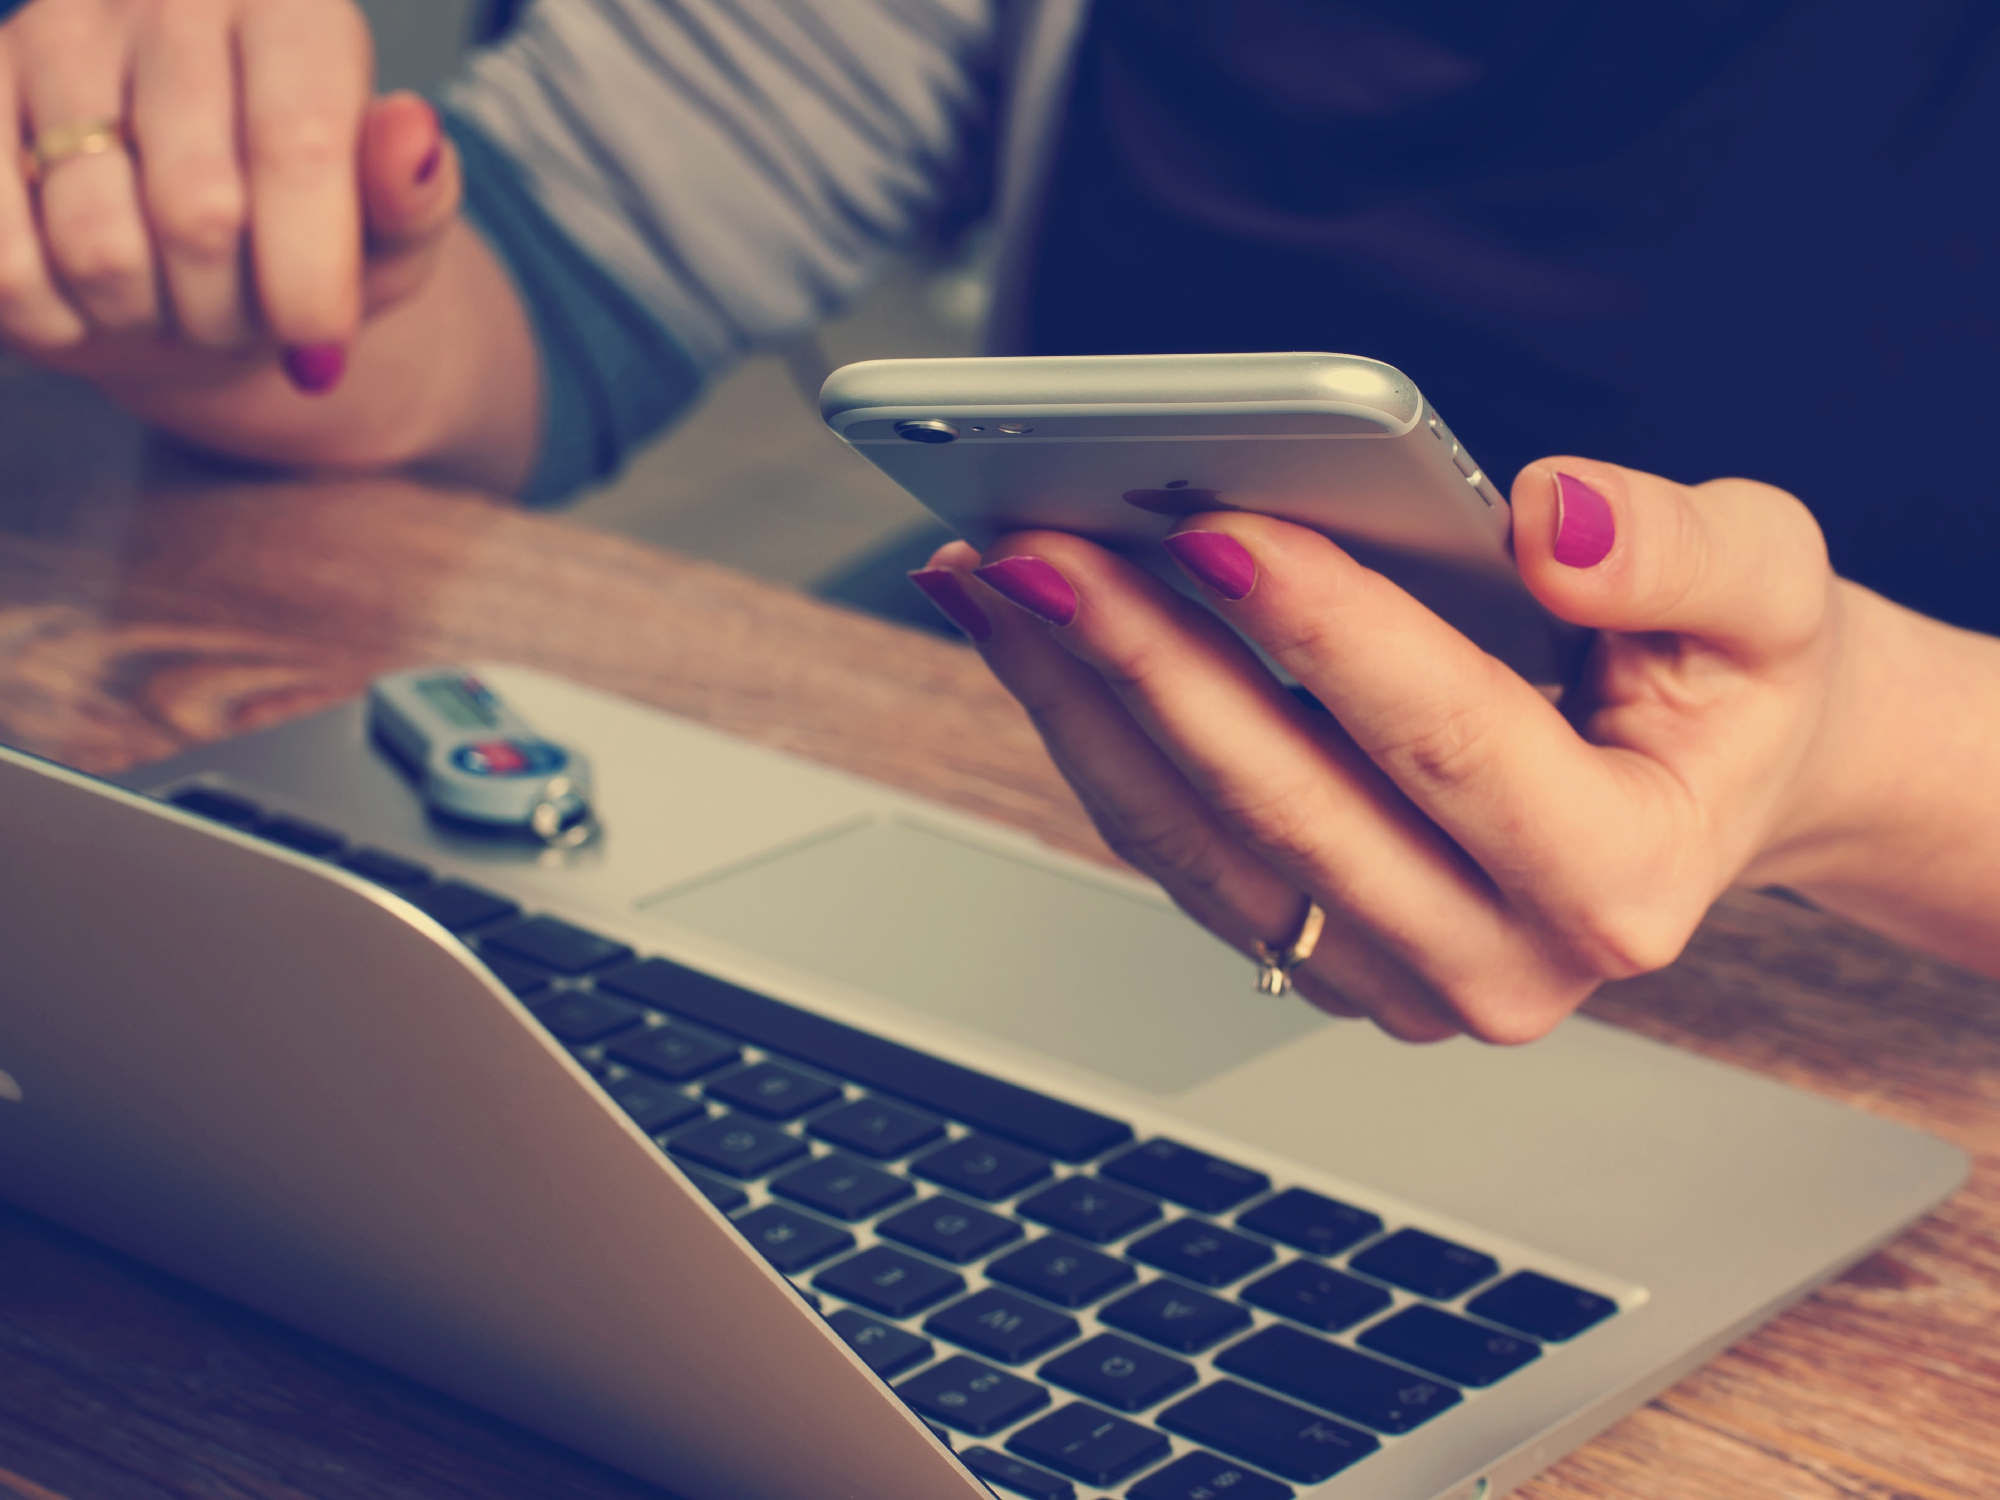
{"x": 1117, "y": 447}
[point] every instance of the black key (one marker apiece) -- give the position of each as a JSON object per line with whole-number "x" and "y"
{"x": 792, "y": 1241}
{"x": 726, "y": 1196}
{"x": 458, "y": 907}
{"x": 774, "y": 1091}
{"x": 1205, "y": 1183}
{"x": 890, "y": 1282}
{"x": 1174, "y": 1316}
{"x": 950, "y": 1230}
{"x": 299, "y": 835}
{"x": 885, "y": 1350}
{"x": 581, "y": 1017}
{"x": 1061, "y": 1271}
{"x": 557, "y": 945}
{"x": 877, "y": 1128}
{"x": 843, "y": 1187}
{"x": 738, "y": 1145}
{"x": 1203, "y": 1476}
{"x": 1119, "y": 1373}
{"x": 1337, "y": 1379}
{"x": 384, "y": 868}
{"x": 1549, "y": 1309}
{"x": 1424, "y": 1264}
{"x": 1089, "y": 1444}
{"x": 653, "y": 1106}
{"x": 1201, "y": 1252}
{"x": 590, "y": 1062}
{"x": 525, "y": 979}
{"x": 675, "y": 1052}
{"x": 1012, "y": 1474}
{"x": 1307, "y": 1221}
{"x": 1456, "y": 1348}
{"x": 1002, "y": 1326}
{"x": 1317, "y": 1296}
{"x": 972, "y": 1397}
{"x": 218, "y": 807}
{"x": 982, "y": 1166}
{"x": 1095, "y": 1210}
{"x": 1049, "y": 1125}
{"x": 1270, "y": 1433}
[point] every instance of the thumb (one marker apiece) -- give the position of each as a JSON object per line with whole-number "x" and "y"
{"x": 1739, "y": 565}
{"x": 410, "y": 192}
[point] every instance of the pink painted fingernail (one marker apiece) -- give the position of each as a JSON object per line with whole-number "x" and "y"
{"x": 1585, "y": 529}
{"x": 316, "y": 368}
{"x": 947, "y": 591}
{"x": 1216, "y": 559}
{"x": 1034, "y": 585}
{"x": 428, "y": 167}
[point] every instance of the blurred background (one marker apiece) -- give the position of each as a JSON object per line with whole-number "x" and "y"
{"x": 752, "y": 478}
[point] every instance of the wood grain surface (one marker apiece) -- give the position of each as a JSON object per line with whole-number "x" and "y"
{"x": 139, "y": 618}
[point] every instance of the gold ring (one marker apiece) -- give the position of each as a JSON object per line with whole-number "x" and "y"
{"x": 1275, "y": 965}
{"x": 61, "y": 143}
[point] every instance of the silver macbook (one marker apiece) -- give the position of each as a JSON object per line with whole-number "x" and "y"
{"x": 800, "y": 1138}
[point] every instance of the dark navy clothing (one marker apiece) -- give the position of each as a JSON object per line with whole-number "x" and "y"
{"x": 1720, "y": 237}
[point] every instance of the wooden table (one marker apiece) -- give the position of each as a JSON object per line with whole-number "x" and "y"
{"x": 144, "y": 609}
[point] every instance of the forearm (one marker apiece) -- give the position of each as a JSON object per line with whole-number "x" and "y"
{"x": 445, "y": 382}
{"x": 1909, "y": 843}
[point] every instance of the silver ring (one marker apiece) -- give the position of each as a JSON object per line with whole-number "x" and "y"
{"x": 1275, "y": 965}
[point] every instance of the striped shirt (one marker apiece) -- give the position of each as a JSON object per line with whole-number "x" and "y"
{"x": 674, "y": 183}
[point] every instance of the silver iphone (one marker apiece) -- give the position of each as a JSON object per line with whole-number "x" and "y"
{"x": 1117, "y": 447}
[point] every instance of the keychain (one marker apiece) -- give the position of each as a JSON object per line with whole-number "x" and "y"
{"x": 476, "y": 760}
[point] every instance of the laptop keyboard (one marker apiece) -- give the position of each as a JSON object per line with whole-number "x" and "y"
{"x": 1078, "y": 1311}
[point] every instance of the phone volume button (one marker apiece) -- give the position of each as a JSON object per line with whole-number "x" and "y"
{"x": 1464, "y": 461}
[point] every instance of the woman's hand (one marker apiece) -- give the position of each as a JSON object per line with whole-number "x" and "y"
{"x": 213, "y": 220}
{"x": 261, "y": 204}
{"x": 1485, "y": 857}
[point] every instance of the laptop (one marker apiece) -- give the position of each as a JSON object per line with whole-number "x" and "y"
{"x": 802, "y": 1138}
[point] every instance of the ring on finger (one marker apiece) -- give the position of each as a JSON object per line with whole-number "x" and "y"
{"x": 1275, "y": 965}
{"x": 60, "y": 143}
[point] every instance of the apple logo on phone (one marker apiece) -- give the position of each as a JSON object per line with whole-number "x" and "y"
{"x": 1177, "y": 499}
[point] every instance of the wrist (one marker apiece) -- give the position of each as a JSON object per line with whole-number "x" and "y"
{"x": 1840, "y": 803}
{"x": 1895, "y": 823}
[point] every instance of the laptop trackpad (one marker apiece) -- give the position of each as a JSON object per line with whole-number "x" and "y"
{"x": 970, "y": 934}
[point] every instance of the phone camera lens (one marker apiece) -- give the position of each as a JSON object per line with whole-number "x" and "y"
{"x": 926, "y": 432}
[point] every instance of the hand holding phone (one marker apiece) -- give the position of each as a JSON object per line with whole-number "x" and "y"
{"x": 1484, "y": 858}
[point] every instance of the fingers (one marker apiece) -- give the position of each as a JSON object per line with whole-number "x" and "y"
{"x": 306, "y": 69}
{"x": 1288, "y": 785}
{"x": 1481, "y": 752}
{"x": 1738, "y": 565}
{"x": 1147, "y": 811}
{"x": 34, "y": 315}
{"x": 92, "y": 223}
{"x": 184, "y": 115}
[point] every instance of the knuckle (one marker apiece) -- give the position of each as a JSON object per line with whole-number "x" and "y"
{"x": 1288, "y": 823}
{"x": 96, "y": 255}
{"x": 1620, "y": 940}
{"x": 1169, "y": 847}
{"x": 303, "y": 145}
{"x": 1444, "y": 745}
{"x": 23, "y": 286}
{"x": 1509, "y": 1017}
{"x": 1130, "y": 666}
{"x": 203, "y": 215}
